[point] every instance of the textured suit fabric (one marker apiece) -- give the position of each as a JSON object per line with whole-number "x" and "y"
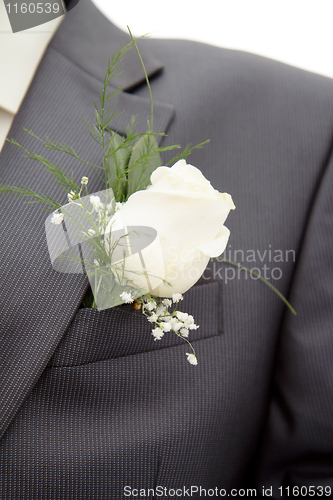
{"x": 60, "y": 95}
{"x": 89, "y": 402}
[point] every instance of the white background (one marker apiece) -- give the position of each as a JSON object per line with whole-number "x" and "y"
{"x": 297, "y": 32}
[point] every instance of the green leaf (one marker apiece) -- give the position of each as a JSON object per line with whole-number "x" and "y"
{"x": 144, "y": 160}
{"x": 37, "y": 196}
{"x": 115, "y": 165}
{"x": 186, "y": 152}
{"x": 168, "y": 148}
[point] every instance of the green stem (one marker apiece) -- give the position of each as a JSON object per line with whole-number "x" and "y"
{"x": 95, "y": 293}
{"x": 186, "y": 340}
{"x": 272, "y": 287}
{"x": 147, "y": 80}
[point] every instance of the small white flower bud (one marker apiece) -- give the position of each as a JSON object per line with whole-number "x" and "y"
{"x": 153, "y": 318}
{"x": 182, "y": 316}
{"x": 71, "y": 196}
{"x": 126, "y": 297}
{"x": 150, "y": 305}
{"x": 166, "y": 326}
{"x": 57, "y": 218}
{"x": 96, "y": 202}
{"x": 191, "y": 358}
{"x": 175, "y": 324}
{"x": 157, "y": 333}
{"x": 84, "y": 181}
{"x": 160, "y": 310}
{"x": 176, "y": 297}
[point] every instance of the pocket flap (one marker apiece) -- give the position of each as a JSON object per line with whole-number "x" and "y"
{"x": 122, "y": 331}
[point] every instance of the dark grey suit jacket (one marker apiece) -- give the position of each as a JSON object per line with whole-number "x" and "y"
{"x": 89, "y": 403}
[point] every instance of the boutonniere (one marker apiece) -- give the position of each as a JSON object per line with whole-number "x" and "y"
{"x": 148, "y": 236}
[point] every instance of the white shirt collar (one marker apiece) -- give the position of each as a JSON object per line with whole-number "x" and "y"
{"x": 20, "y": 54}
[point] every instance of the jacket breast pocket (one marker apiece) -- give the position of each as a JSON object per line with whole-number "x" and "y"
{"x": 122, "y": 331}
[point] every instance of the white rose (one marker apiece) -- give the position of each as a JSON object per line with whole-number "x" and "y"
{"x": 188, "y": 215}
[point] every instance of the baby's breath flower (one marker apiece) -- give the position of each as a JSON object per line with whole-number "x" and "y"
{"x": 96, "y": 202}
{"x": 72, "y": 196}
{"x": 157, "y": 333}
{"x": 84, "y": 181}
{"x": 191, "y": 358}
{"x": 126, "y": 297}
{"x": 153, "y": 318}
{"x": 151, "y": 305}
{"x": 160, "y": 310}
{"x": 189, "y": 323}
{"x": 182, "y": 316}
{"x": 166, "y": 326}
{"x": 179, "y": 322}
{"x": 184, "y": 332}
{"x": 175, "y": 324}
{"x": 176, "y": 297}
{"x": 57, "y": 218}
{"x": 190, "y": 319}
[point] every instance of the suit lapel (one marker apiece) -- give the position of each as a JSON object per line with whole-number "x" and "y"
{"x": 37, "y": 303}
{"x": 93, "y": 40}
